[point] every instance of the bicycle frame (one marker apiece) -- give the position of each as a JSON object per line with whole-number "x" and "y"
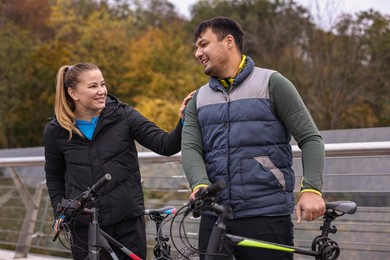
{"x": 98, "y": 239}
{"x": 323, "y": 247}
{"x": 219, "y": 237}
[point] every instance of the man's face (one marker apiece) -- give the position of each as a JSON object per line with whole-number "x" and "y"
{"x": 211, "y": 53}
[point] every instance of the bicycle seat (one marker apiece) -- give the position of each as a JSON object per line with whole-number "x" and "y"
{"x": 348, "y": 207}
{"x": 164, "y": 210}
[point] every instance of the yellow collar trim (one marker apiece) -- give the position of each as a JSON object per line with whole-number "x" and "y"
{"x": 227, "y": 82}
{"x": 242, "y": 64}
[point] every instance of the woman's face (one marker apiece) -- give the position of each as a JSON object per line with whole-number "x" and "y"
{"x": 89, "y": 95}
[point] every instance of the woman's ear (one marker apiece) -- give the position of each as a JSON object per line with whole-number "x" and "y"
{"x": 72, "y": 93}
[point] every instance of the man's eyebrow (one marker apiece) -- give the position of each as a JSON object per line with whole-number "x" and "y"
{"x": 201, "y": 40}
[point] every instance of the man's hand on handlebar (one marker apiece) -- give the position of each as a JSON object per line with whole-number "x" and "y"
{"x": 192, "y": 201}
{"x": 204, "y": 196}
{"x": 194, "y": 192}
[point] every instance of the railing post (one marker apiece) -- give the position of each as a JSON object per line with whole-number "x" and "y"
{"x": 30, "y": 219}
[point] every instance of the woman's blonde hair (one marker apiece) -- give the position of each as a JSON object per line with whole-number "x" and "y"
{"x": 64, "y": 107}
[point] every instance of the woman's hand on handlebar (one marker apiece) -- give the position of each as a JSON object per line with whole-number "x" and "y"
{"x": 57, "y": 224}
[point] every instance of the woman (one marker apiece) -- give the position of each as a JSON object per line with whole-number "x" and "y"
{"x": 92, "y": 134}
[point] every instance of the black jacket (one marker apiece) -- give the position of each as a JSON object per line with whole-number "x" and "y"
{"x": 73, "y": 166}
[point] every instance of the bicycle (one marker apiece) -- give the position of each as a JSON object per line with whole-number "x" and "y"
{"x": 99, "y": 240}
{"x": 322, "y": 248}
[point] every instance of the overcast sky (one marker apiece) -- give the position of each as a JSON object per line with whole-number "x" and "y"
{"x": 349, "y": 6}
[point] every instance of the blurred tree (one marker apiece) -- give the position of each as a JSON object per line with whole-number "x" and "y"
{"x": 375, "y": 77}
{"x": 163, "y": 113}
{"x": 161, "y": 68}
{"x": 146, "y": 53}
{"x": 105, "y": 42}
{"x": 27, "y": 14}
{"x": 347, "y": 68}
{"x": 15, "y": 45}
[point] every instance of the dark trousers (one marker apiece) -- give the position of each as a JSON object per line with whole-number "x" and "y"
{"x": 130, "y": 233}
{"x": 271, "y": 229}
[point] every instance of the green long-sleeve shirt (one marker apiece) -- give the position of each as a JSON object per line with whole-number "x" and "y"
{"x": 290, "y": 108}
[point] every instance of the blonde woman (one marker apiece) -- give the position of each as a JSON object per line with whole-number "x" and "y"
{"x": 91, "y": 134}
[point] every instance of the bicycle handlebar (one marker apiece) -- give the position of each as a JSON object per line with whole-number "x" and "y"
{"x": 70, "y": 208}
{"x": 211, "y": 190}
{"x": 100, "y": 183}
{"x": 205, "y": 198}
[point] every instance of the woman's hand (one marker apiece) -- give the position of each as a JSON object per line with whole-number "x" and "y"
{"x": 56, "y": 224}
{"x": 184, "y": 104}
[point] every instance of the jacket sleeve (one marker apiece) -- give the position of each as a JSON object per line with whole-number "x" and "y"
{"x": 291, "y": 109}
{"x": 54, "y": 170}
{"x": 151, "y": 136}
{"x": 192, "y": 147}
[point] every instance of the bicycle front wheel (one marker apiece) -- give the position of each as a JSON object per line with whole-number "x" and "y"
{"x": 188, "y": 252}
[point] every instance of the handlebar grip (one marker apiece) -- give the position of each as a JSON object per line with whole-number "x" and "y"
{"x": 103, "y": 181}
{"x": 213, "y": 189}
{"x": 56, "y": 235}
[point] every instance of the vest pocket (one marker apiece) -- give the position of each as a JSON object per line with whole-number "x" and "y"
{"x": 267, "y": 163}
{"x": 262, "y": 170}
{"x": 257, "y": 186}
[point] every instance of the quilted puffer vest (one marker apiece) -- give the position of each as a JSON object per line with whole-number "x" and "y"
{"x": 246, "y": 145}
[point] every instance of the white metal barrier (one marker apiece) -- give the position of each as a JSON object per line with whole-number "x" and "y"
{"x": 343, "y": 151}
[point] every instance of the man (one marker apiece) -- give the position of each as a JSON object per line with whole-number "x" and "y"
{"x": 238, "y": 129}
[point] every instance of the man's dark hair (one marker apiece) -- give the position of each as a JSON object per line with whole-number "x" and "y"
{"x": 222, "y": 26}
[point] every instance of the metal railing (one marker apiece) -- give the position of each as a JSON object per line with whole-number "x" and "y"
{"x": 331, "y": 150}
{"x": 353, "y": 171}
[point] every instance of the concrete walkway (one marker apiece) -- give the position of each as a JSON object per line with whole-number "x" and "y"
{"x": 8, "y": 255}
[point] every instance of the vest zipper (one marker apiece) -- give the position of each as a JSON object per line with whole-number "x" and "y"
{"x": 227, "y": 126}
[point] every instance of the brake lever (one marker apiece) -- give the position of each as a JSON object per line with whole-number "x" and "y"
{"x": 194, "y": 207}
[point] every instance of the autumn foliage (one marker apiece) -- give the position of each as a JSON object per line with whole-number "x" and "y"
{"x": 145, "y": 51}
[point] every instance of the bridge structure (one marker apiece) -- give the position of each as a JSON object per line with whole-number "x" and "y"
{"x": 357, "y": 168}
